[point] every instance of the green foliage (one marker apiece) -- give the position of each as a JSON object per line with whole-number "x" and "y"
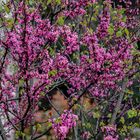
{"x": 132, "y": 113}
{"x": 122, "y": 11}
{"x": 96, "y": 114}
{"x": 126, "y": 32}
{"x": 122, "y": 120}
{"x": 49, "y": 124}
{"x": 49, "y": 1}
{"x": 52, "y": 72}
{"x": 19, "y": 134}
{"x": 58, "y": 1}
{"x": 38, "y": 126}
{"x": 119, "y": 33}
{"x": 60, "y": 20}
{"x": 7, "y": 9}
{"x": 110, "y": 30}
{"x": 52, "y": 51}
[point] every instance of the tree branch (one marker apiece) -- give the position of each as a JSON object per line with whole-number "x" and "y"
{"x": 118, "y": 105}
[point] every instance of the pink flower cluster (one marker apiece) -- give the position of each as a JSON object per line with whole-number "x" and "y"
{"x": 70, "y": 40}
{"x": 110, "y": 133}
{"x": 76, "y": 7}
{"x": 102, "y": 29}
{"x": 45, "y": 54}
{"x": 86, "y": 135}
{"x": 64, "y": 124}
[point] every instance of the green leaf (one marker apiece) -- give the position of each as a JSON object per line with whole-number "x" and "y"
{"x": 42, "y": 93}
{"x": 114, "y": 12}
{"x": 7, "y": 9}
{"x": 90, "y": 60}
{"x": 110, "y": 30}
{"x": 38, "y": 126}
{"x": 102, "y": 123}
{"x": 49, "y": 1}
{"x": 1, "y": 9}
{"x": 122, "y": 11}
{"x": 109, "y": 115}
{"x": 124, "y": 19}
{"x": 119, "y": 34}
{"x": 21, "y": 82}
{"x": 19, "y": 134}
{"x": 49, "y": 124}
{"x": 52, "y": 52}
{"x": 96, "y": 115}
{"x": 93, "y": 19}
{"x": 10, "y": 22}
{"x": 122, "y": 120}
{"x": 58, "y": 1}
{"x": 124, "y": 128}
{"x": 132, "y": 113}
{"x": 47, "y": 87}
{"x": 131, "y": 92}
{"x": 52, "y": 72}
{"x": 126, "y": 31}
{"x": 60, "y": 20}
{"x": 58, "y": 120}
{"x": 88, "y": 125}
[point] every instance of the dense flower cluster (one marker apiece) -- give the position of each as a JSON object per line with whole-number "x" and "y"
{"x": 64, "y": 124}
{"x": 45, "y": 54}
{"x": 102, "y": 66}
{"x": 76, "y": 8}
{"x": 70, "y": 40}
{"x": 86, "y": 135}
{"x": 109, "y": 133}
{"x": 102, "y": 28}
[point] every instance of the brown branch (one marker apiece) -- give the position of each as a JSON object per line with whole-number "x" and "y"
{"x": 118, "y": 105}
{"x": 52, "y": 105}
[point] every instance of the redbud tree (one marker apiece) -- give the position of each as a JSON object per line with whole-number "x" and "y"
{"x": 91, "y": 47}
